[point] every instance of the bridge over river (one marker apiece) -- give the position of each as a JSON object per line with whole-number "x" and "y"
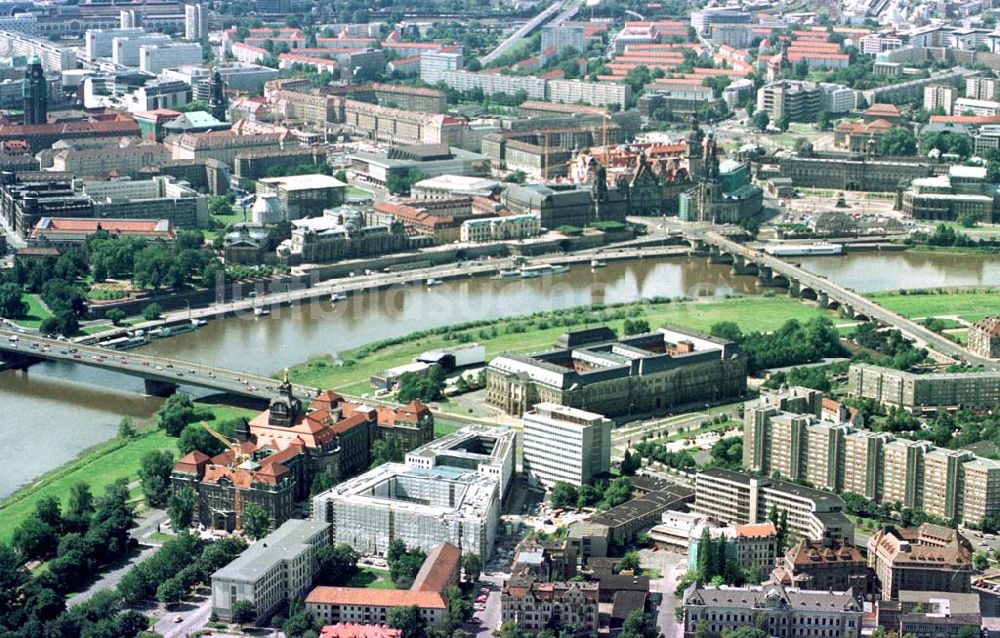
{"x": 774, "y": 271}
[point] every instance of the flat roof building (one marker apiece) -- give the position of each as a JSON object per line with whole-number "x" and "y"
{"x": 422, "y": 507}
{"x": 563, "y": 444}
{"x": 487, "y": 450}
{"x": 277, "y": 569}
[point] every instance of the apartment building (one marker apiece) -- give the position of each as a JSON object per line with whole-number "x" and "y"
{"x": 737, "y": 498}
{"x": 195, "y": 22}
{"x": 780, "y": 611}
{"x": 830, "y": 564}
{"x": 534, "y": 605}
{"x": 924, "y": 392}
{"x": 837, "y": 457}
{"x": 276, "y": 570}
{"x": 53, "y": 58}
{"x": 984, "y": 88}
{"x": 940, "y": 95}
{"x": 154, "y": 58}
{"x": 222, "y": 146}
{"x": 126, "y": 157}
{"x": 492, "y": 83}
{"x": 798, "y": 101}
{"x": 565, "y": 444}
{"x": 434, "y": 63}
{"x": 98, "y": 43}
{"x": 572, "y": 36}
{"x": 984, "y": 337}
{"x": 928, "y": 558}
{"x": 592, "y": 93}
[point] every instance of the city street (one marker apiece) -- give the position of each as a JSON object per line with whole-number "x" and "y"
{"x": 193, "y": 618}
{"x": 486, "y": 620}
{"x": 671, "y": 566}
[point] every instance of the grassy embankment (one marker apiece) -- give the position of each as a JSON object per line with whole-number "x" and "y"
{"x": 537, "y": 332}
{"x": 98, "y": 467}
{"x": 968, "y": 304}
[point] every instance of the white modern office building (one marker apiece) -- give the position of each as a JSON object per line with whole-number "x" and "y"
{"x": 195, "y": 22}
{"x": 154, "y": 58}
{"x": 276, "y": 569}
{"x": 422, "y": 507}
{"x": 565, "y": 444}
{"x": 487, "y": 450}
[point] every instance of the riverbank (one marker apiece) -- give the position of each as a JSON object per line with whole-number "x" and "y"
{"x": 969, "y": 304}
{"x": 538, "y": 331}
{"x": 98, "y": 467}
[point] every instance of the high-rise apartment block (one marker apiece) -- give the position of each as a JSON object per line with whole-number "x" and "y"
{"x": 195, "y": 22}
{"x": 940, "y": 95}
{"x": 434, "y": 63}
{"x": 784, "y": 435}
{"x": 564, "y": 37}
{"x": 565, "y": 444}
{"x": 982, "y": 88}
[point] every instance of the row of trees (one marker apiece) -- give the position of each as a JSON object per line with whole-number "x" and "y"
{"x": 90, "y": 533}
{"x": 794, "y": 343}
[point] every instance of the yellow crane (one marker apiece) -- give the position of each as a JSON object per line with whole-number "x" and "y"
{"x": 239, "y": 457}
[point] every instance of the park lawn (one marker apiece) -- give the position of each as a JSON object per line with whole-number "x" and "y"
{"x": 750, "y": 313}
{"x": 443, "y": 427}
{"x": 36, "y": 312}
{"x": 98, "y": 467}
{"x": 358, "y": 192}
{"x": 372, "y": 578}
{"x": 970, "y": 305}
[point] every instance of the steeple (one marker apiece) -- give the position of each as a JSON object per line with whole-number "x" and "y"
{"x": 35, "y": 93}
{"x": 217, "y": 103}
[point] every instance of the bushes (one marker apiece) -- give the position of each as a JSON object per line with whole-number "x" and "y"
{"x": 793, "y": 344}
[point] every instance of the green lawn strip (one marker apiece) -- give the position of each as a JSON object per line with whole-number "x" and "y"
{"x": 750, "y": 313}
{"x": 98, "y": 467}
{"x": 971, "y": 305}
{"x": 358, "y": 192}
{"x": 442, "y": 427}
{"x": 36, "y": 313}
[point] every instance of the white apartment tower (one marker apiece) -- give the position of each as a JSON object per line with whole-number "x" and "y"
{"x": 565, "y": 444}
{"x": 195, "y": 25}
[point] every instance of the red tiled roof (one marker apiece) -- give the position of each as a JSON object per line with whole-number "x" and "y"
{"x": 354, "y": 630}
{"x": 760, "y": 530}
{"x": 440, "y": 564}
{"x": 375, "y": 597}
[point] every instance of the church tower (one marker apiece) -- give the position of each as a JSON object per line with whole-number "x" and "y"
{"x": 217, "y": 103}
{"x": 35, "y": 93}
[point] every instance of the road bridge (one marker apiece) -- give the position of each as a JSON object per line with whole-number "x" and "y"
{"x": 529, "y": 26}
{"x": 800, "y": 283}
{"x": 160, "y": 375}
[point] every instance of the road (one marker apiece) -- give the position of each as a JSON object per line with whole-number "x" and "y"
{"x": 485, "y": 621}
{"x": 848, "y": 297}
{"x": 145, "y": 525}
{"x": 152, "y": 368}
{"x": 672, "y": 567}
{"x": 191, "y": 620}
{"x": 523, "y": 31}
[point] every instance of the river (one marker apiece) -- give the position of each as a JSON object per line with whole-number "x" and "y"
{"x": 68, "y": 408}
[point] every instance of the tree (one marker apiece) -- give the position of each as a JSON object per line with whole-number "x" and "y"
{"x": 968, "y": 219}
{"x": 116, "y": 316}
{"x": 619, "y": 491}
{"x": 801, "y": 69}
{"x": 729, "y": 330}
{"x": 980, "y": 561}
{"x": 898, "y": 141}
{"x": 459, "y": 608}
{"x": 630, "y": 463}
{"x": 823, "y": 121}
{"x": 337, "y": 564}
{"x": 180, "y": 509}
{"x": 563, "y": 495}
{"x": 154, "y": 476}
{"x": 125, "y": 429}
{"x": 639, "y": 624}
{"x": 408, "y": 621}
{"x": 243, "y": 612}
{"x": 80, "y": 506}
{"x": 782, "y": 541}
{"x": 152, "y": 312}
{"x": 745, "y": 632}
{"x": 968, "y": 631}
{"x": 11, "y": 304}
{"x": 760, "y": 120}
{"x": 48, "y": 510}
{"x": 510, "y": 629}
{"x": 472, "y": 566}
{"x": 170, "y": 591}
{"x": 256, "y": 522}
{"x": 35, "y": 538}
{"x": 194, "y": 437}
{"x": 782, "y": 123}
{"x": 630, "y": 561}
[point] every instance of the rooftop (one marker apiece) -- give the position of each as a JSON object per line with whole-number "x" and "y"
{"x": 305, "y": 182}
{"x": 286, "y": 542}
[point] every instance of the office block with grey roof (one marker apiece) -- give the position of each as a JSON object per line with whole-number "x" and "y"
{"x": 276, "y": 569}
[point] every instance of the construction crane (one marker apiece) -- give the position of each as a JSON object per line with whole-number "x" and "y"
{"x": 239, "y": 457}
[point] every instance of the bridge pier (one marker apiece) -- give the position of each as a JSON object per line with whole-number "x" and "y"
{"x": 743, "y": 266}
{"x": 156, "y": 388}
{"x": 794, "y": 289}
{"x": 16, "y": 361}
{"x": 716, "y": 256}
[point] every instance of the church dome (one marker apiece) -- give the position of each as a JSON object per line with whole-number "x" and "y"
{"x": 266, "y": 209}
